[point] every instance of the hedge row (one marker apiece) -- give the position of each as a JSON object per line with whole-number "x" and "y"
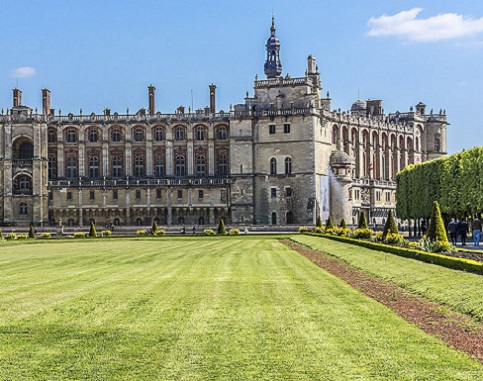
{"x": 436, "y": 259}
{"x": 454, "y": 181}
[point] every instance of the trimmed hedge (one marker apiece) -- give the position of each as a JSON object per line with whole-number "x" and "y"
{"x": 436, "y": 259}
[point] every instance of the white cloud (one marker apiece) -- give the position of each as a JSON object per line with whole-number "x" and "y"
{"x": 23, "y": 72}
{"x": 405, "y": 25}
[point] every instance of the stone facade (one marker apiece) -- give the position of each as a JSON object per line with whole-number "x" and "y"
{"x": 282, "y": 157}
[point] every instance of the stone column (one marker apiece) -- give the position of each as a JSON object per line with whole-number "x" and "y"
{"x": 81, "y": 211}
{"x": 128, "y": 159}
{"x": 168, "y": 205}
{"x": 82, "y": 159}
{"x": 169, "y": 158}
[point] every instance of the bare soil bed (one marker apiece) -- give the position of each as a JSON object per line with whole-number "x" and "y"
{"x": 458, "y": 330}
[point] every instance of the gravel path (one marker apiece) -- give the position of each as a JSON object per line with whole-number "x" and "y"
{"x": 459, "y": 331}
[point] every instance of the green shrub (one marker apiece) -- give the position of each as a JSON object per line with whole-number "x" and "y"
{"x": 234, "y": 231}
{"x": 80, "y": 235}
{"x": 343, "y": 224}
{"x": 154, "y": 228}
{"x": 319, "y": 222}
{"x": 390, "y": 226}
{"x": 221, "y": 227}
{"x": 22, "y": 236}
{"x": 436, "y": 230}
{"x": 209, "y": 232}
{"x": 141, "y": 233}
{"x": 92, "y": 231}
{"x": 330, "y": 223}
{"x": 45, "y": 236}
{"x": 319, "y": 229}
{"x": 362, "y": 221}
{"x": 159, "y": 232}
{"x": 303, "y": 229}
{"x": 11, "y": 236}
{"x": 31, "y": 231}
{"x": 106, "y": 234}
{"x": 1, "y": 235}
{"x": 430, "y": 246}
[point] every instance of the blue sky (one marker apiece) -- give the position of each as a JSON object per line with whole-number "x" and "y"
{"x": 98, "y": 54}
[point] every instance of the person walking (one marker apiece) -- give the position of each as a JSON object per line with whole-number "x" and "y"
{"x": 463, "y": 231}
{"x": 476, "y": 227}
{"x": 453, "y": 231}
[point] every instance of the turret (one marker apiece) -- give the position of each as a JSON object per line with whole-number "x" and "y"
{"x": 273, "y": 65}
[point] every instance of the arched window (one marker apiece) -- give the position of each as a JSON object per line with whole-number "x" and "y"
{"x": 200, "y": 133}
{"x": 116, "y": 222}
{"x": 52, "y": 167}
{"x": 71, "y": 135}
{"x": 26, "y": 151}
{"x": 201, "y": 220}
{"x": 159, "y": 166}
{"x": 23, "y": 209}
{"x": 273, "y": 166}
{"x": 116, "y": 166}
{"x": 273, "y": 218}
{"x": 289, "y": 217}
{"x": 437, "y": 142}
{"x": 139, "y": 134}
{"x": 200, "y": 165}
{"x": 181, "y": 221}
{"x": 139, "y": 166}
{"x": 139, "y": 221}
{"x": 158, "y": 134}
{"x": 116, "y": 135}
{"x": 71, "y": 166}
{"x": 288, "y": 165}
{"x": 70, "y": 222}
{"x": 180, "y": 165}
{"x": 179, "y": 133}
{"x": 417, "y": 144}
{"x": 52, "y": 136}
{"x": 222, "y": 133}
{"x": 93, "y": 167}
{"x": 93, "y": 135}
{"x": 222, "y": 165}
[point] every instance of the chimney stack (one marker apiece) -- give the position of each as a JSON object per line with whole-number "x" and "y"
{"x": 17, "y": 97}
{"x": 213, "y": 98}
{"x": 152, "y": 100}
{"x": 46, "y": 110}
{"x": 312, "y": 66}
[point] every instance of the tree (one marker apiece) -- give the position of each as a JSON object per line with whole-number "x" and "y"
{"x": 330, "y": 223}
{"x": 155, "y": 227}
{"x": 390, "y": 227}
{"x": 92, "y": 231}
{"x": 362, "y": 221}
{"x": 343, "y": 225}
{"x": 221, "y": 227}
{"x": 31, "y": 231}
{"x": 436, "y": 230}
{"x": 319, "y": 222}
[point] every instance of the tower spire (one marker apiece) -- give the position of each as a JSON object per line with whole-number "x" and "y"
{"x": 273, "y": 65}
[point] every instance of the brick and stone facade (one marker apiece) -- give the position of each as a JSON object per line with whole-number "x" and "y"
{"x": 282, "y": 157}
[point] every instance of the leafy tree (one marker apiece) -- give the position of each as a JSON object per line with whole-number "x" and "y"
{"x": 390, "y": 226}
{"x": 343, "y": 224}
{"x": 330, "y": 223}
{"x": 92, "y": 231}
{"x": 436, "y": 230}
{"x": 221, "y": 227}
{"x": 362, "y": 221}
{"x": 31, "y": 231}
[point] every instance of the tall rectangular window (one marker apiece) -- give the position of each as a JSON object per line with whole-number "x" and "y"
{"x": 180, "y": 194}
{"x": 200, "y": 194}
{"x": 271, "y": 129}
{"x": 114, "y": 195}
{"x": 158, "y": 193}
{"x": 273, "y": 192}
{"x": 138, "y": 194}
{"x": 92, "y": 195}
{"x": 69, "y": 195}
{"x": 286, "y": 128}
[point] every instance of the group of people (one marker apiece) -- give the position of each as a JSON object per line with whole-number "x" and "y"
{"x": 461, "y": 228}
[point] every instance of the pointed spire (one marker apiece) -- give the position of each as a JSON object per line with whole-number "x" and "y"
{"x": 273, "y": 65}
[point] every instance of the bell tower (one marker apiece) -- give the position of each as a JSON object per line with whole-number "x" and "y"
{"x": 273, "y": 65}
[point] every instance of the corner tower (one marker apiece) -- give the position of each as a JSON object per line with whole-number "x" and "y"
{"x": 273, "y": 65}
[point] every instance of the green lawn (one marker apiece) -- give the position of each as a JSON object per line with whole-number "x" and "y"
{"x": 200, "y": 309}
{"x": 458, "y": 290}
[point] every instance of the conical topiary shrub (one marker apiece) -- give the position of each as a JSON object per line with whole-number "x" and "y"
{"x": 92, "y": 231}
{"x": 436, "y": 230}
{"x": 343, "y": 225}
{"x": 390, "y": 226}
{"x": 330, "y": 223}
{"x": 362, "y": 221}
{"x": 31, "y": 231}
{"x": 221, "y": 227}
{"x": 319, "y": 222}
{"x": 155, "y": 227}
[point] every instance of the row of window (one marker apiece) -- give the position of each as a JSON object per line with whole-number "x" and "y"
{"x": 272, "y": 129}
{"x": 288, "y": 166}
{"x": 288, "y": 192}
{"x": 139, "y": 167}
{"x": 115, "y": 194}
{"x": 289, "y": 218}
{"x": 139, "y": 135}
{"x": 138, "y": 222}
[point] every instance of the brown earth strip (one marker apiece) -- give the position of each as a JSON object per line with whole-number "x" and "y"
{"x": 458, "y": 330}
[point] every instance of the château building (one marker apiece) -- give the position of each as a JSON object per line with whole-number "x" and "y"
{"x": 284, "y": 156}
